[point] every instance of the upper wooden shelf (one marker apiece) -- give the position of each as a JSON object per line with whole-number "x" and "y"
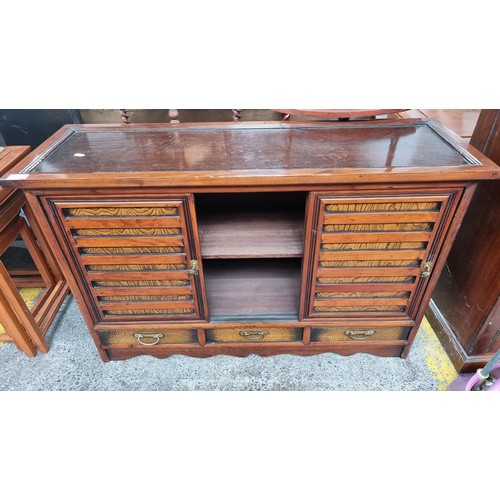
{"x": 250, "y": 154}
{"x": 247, "y": 234}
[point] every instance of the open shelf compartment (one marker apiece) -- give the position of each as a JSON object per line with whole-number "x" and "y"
{"x": 253, "y": 289}
{"x": 251, "y": 225}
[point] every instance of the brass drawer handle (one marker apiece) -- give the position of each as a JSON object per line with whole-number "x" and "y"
{"x": 156, "y": 336}
{"x": 195, "y": 268}
{"x": 359, "y": 334}
{"x": 255, "y": 335}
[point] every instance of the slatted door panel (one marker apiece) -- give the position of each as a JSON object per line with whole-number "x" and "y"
{"x": 136, "y": 257}
{"x": 373, "y": 253}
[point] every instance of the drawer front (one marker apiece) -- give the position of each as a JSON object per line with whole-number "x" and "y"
{"x": 251, "y": 334}
{"x": 129, "y": 337}
{"x": 136, "y": 257}
{"x": 359, "y": 333}
{"x": 371, "y": 255}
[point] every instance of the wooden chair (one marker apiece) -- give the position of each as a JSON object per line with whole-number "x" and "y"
{"x": 25, "y": 327}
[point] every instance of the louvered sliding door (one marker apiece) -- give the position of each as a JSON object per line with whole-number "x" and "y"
{"x": 138, "y": 260}
{"x": 372, "y": 255}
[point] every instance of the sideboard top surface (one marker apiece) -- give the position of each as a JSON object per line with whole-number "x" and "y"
{"x": 250, "y": 153}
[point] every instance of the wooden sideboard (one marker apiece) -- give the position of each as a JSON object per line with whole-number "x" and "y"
{"x": 267, "y": 238}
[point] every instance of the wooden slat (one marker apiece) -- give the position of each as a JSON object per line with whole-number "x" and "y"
{"x": 367, "y": 271}
{"x": 379, "y": 217}
{"x": 134, "y": 259}
{"x": 126, "y": 241}
{"x": 375, "y": 237}
{"x": 372, "y": 255}
{"x": 14, "y": 306}
{"x": 362, "y": 301}
{"x": 137, "y": 275}
{"x": 119, "y": 306}
{"x": 37, "y": 255}
{"x": 146, "y": 290}
{"x": 364, "y": 287}
{"x": 9, "y": 207}
{"x": 27, "y": 281}
{"x": 13, "y": 325}
{"x": 10, "y": 234}
{"x": 122, "y": 222}
{"x": 49, "y": 303}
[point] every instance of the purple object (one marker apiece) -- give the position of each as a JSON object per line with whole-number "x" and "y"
{"x": 485, "y": 379}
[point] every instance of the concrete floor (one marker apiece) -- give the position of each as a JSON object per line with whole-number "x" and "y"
{"x": 73, "y": 364}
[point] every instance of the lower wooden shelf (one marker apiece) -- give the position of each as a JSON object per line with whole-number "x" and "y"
{"x": 253, "y": 289}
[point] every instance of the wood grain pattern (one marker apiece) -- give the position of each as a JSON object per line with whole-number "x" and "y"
{"x": 348, "y": 280}
{"x": 339, "y": 334}
{"x": 193, "y": 155}
{"x": 147, "y": 314}
{"x": 124, "y": 243}
{"x": 118, "y": 298}
{"x": 134, "y": 267}
{"x": 342, "y": 251}
{"x": 253, "y": 335}
{"x": 117, "y": 250}
{"x": 138, "y": 259}
{"x": 247, "y": 234}
{"x": 126, "y": 338}
{"x": 122, "y": 211}
{"x": 253, "y": 288}
{"x": 382, "y": 200}
{"x": 140, "y": 283}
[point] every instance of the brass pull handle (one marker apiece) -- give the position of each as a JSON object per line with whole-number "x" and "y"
{"x": 359, "y": 334}
{"x": 426, "y": 270}
{"x": 195, "y": 269}
{"x": 255, "y": 335}
{"x": 156, "y": 336}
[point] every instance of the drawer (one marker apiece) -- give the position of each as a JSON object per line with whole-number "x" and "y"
{"x": 134, "y": 337}
{"x": 359, "y": 333}
{"x": 251, "y": 334}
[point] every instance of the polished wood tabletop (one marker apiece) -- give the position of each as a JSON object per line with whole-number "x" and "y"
{"x": 253, "y": 153}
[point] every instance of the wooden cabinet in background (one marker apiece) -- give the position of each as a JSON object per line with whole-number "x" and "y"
{"x": 267, "y": 238}
{"x": 465, "y": 307}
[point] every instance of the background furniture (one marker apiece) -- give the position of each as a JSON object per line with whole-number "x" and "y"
{"x": 25, "y": 327}
{"x": 261, "y": 238}
{"x": 32, "y": 126}
{"x": 464, "y": 310}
